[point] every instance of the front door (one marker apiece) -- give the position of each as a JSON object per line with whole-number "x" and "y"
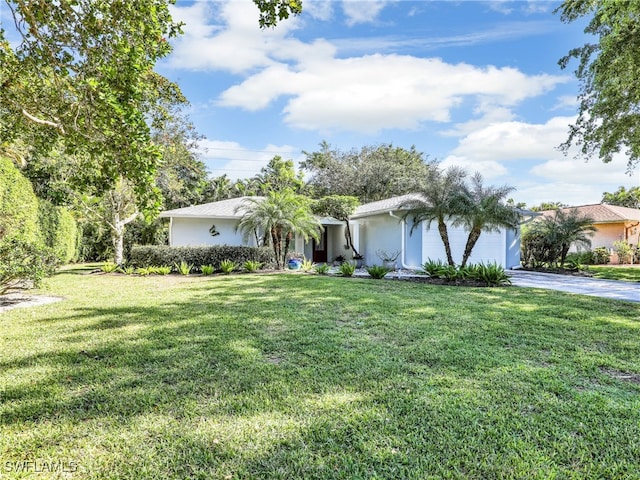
{"x": 320, "y": 248}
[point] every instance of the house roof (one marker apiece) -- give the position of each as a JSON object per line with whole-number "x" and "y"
{"x": 231, "y": 208}
{"x": 386, "y": 205}
{"x": 603, "y": 213}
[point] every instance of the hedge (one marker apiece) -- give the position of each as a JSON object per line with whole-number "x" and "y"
{"x": 158, "y": 255}
{"x": 18, "y": 205}
{"x": 59, "y": 230}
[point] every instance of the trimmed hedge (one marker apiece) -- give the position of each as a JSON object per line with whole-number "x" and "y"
{"x": 157, "y": 255}
{"x": 18, "y": 205}
{"x": 59, "y": 230}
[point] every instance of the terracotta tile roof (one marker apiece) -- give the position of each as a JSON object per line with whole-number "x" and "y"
{"x": 231, "y": 208}
{"x": 603, "y": 213}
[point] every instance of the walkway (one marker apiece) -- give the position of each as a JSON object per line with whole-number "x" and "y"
{"x": 594, "y": 287}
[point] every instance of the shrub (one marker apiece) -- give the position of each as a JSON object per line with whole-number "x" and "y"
{"x": 307, "y": 265}
{"x": 449, "y": 272}
{"x": 128, "y": 270}
{"x": 251, "y": 266}
{"x": 21, "y": 260}
{"x": 184, "y": 268}
{"x": 145, "y": 255}
{"x": 207, "y": 269}
{"x": 492, "y": 274}
{"x": 109, "y": 267}
{"x": 59, "y": 230}
{"x": 322, "y": 269}
{"x": 601, "y": 256}
{"x": 432, "y": 268}
{"x": 162, "y": 270}
{"x": 623, "y": 250}
{"x": 347, "y": 269}
{"x": 18, "y": 206}
{"x": 227, "y": 266}
{"x": 143, "y": 271}
{"x": 377, "y": 271}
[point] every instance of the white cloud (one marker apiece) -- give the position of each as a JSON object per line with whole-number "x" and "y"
{"x": 234, "y": 43}
{"x": 515, "y": 141}
{"x": 237, "y": 161}
{"x": 362, "y": 12}
{"x": 538, "y": 170}
{"x": 319, "y": 9}
{"x": 375, "y": 92}
{"x": 488, "y": 168}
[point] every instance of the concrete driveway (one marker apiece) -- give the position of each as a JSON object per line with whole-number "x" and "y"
{"x": 581, "y": 285}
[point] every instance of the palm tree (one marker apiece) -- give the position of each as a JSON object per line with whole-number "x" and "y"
{"x": 485, "y": 211}
{"x": 442, "y": 198}
{"x": 565, "y": 228}
{"x": 280, "y": 216}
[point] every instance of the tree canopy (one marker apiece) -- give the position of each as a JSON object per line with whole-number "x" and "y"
{"x": 443, "y": 196}
{"x": 82, "y": 77}
{"x": 608, "y": 119}
{"x": 370, "y": 174}
{"x": 623, "y": 197}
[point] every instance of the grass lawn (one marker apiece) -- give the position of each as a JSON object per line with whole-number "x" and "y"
{"x": 629, "y": 274}
{"x": 293, "y": 376}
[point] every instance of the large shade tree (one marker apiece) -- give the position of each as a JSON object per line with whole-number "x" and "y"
{"x": 608, "y": 71}
{"x": 370, "y": 174}
{"x": 279, "y": 216}
{"x": 80, "y": 73}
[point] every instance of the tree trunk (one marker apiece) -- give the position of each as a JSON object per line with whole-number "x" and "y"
{"x": 117, "y": 231}
{"x": 349, "y": 239}
{"x": 473, "y": 237}
{"x": 287, "y": 242}
{"x": 118, "y": 243}
{"x": 277, "y": 248}
{"x": 444, "y": 235}
{"x": 563, "y": 254}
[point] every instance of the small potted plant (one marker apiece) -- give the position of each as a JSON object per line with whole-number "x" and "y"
{"x": 359, "y": 259}
{"x": 339, "y": 260}
{"x": 388, "y": 258}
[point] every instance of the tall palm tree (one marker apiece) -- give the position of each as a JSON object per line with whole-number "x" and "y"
{"x": 280, "y": 216}
{"x": 443, "y": 196}
{"x": 485, "y": 211}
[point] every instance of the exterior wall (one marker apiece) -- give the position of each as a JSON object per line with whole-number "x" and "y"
{"x": 379, "y": 232}
{"x": 413, "y": 245}
{"x": 607, "y": 234}
{"x": 336, "y": 242}
{"x": 195, "y": 232}
{"x": 491, "y": 247}
{"x": 513, "y": 248}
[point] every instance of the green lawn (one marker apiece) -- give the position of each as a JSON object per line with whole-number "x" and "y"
{"x": 629, "y": 274}
{"x": 295, "y": 376}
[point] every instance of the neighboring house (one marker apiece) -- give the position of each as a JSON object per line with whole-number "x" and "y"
{"x": 613, "y": 223}
{"x": 374, "y": 227}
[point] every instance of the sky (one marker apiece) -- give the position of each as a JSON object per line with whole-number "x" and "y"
{"x": 469, "y": 83}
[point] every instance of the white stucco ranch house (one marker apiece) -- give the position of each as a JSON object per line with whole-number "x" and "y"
{"x": 375, "y": 227}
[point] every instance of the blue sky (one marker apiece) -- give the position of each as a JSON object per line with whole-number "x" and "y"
{"x": 470, "y": 83}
